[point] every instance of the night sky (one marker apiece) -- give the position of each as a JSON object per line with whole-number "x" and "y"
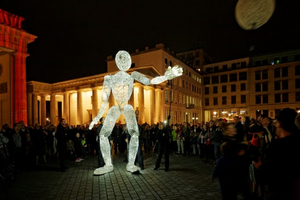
{"x": 75, "y": 36}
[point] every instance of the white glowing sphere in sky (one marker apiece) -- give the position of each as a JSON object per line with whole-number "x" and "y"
{"x": 252, "y": 14}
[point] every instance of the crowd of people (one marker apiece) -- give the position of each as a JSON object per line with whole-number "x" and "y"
{"x": 256, "y": 158}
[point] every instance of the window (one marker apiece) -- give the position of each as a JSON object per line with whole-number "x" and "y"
{"x": 257, "y": 99}
{"x": 215, "y": 101}
{"x": 258, "y": 63}
{"x": 297, "y": 57}
{"x": 285, "y": 84}
{"x": 243, "y": 86}
{"x": 224, "y": 78}
{"x": 233, "y": 88}
{"x": 297, "y": 96}
{"x": 264, "y": 74}
{"x": 206, "y": 101}
{"x": 243, "y": 98}
{"x": 265, "y": 86}
{"x": 233, "y": 99}
{"x": 242, "y": 76}
{"x": 171, "y": 63}
{"x": 233, "y": 66}
{"x": 265, "y": 98}
{"x": 277, "y": 85}
{"x": 285, "y": 72}
{"x": 197, "y": 62}
{"x": 215, "y": 79}
{"x": 183, "y": 83}
{"x": 206, "y": 91}
{"x": 233, "y": 77}
{"x": 216, "y": 68}
{"x": 277, "y": 73}
{"x": 224, "y": 88}
{"x": 243, "y": 64}
{"x": 225, "y": 68}
{"x": 297, "y": 83}
{"x": 166, "y": 61}
{"x": 257, "y": 75}
{"x": 224, "y": 100}
{"x": 166, "y": 96}
{"x": 277, "y": 98}
{"x": 206, "y": 81}
{"x": 285, "y": 97}
{"x": 215, "y": 89}
{"x": 257, "y": 87}
{"x": 297, "y": 70}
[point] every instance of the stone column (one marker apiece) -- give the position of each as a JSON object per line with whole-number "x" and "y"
{"x": 29, "y": 108}
{"x": 157, "y": 104}
{"x": 152, "y": 106}
{"x": 35, "y": 108}
{"x": 141, "y": 104}
{"x": 53, "y": 108}
{"x": 79, "y": 107}
{"x": 43, "y": 110}
{"x": 66, "y": 107}
{"x": 94, "y": 102}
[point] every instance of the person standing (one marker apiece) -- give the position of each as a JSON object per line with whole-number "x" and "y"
{"x": 281, "y": 166}
{"x": 163, "y": 145}
{"x": 61, "y": 136}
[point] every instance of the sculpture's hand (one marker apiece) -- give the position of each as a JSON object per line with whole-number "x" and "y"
{"x": 173, "y": 72}
{"x": 95, "y": 121}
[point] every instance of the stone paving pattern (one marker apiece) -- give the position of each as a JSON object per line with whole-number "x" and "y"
{"x": 188, "y": 178}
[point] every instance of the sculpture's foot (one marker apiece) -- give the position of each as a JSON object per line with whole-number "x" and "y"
{"x": 132, "y": 168}
{"x": 103, "y": 170}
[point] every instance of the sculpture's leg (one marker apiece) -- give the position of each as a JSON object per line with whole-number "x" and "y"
{"x": 109, "y": 123}
{"x": 134, "y": 140}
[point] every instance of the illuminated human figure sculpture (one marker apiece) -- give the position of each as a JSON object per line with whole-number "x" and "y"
{"x": 121, "y": 85}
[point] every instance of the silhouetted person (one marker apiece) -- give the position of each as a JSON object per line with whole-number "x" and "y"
{"x": 61, "y": 136}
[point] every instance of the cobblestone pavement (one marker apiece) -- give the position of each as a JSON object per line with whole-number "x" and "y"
{"x": 188, "y": 178}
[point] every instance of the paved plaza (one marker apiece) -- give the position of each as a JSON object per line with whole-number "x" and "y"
{"x": 188, "y": 178}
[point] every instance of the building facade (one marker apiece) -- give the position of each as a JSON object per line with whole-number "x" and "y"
{"x": 79, "y": 100}
{"x": 13, "y": 53}
{"x": 261, "y": 84}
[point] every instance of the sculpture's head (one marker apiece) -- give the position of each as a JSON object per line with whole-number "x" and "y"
{"x": 123, "y": 60}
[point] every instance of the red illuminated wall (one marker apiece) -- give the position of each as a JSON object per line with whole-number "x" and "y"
{"x": 13, "y": 37}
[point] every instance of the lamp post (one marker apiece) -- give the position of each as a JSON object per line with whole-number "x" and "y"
{"x": 193, "y": 120}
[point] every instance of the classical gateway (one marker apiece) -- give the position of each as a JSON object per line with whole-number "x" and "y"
{"x": 13, "y": 53}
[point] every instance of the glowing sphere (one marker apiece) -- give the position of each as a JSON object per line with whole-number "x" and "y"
{"x": 252, "y": 14}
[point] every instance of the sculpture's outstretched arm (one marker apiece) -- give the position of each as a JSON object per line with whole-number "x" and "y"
{"x": 140, "y": 78}
{"x": 169, "y": 75}
{"x": 105, "y": 97}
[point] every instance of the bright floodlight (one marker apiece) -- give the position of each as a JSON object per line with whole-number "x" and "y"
{"x": 121, "y": 85}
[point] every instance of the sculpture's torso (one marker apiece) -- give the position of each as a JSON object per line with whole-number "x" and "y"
{"x": 121, "y": 85}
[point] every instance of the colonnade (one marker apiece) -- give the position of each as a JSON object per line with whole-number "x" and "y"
{"x": 80, "y": 106}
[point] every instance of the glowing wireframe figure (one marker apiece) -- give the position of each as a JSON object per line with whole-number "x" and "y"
{"x": 121, "y": 85}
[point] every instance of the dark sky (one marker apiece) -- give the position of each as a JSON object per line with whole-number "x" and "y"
{"x": 76, "y": 36}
